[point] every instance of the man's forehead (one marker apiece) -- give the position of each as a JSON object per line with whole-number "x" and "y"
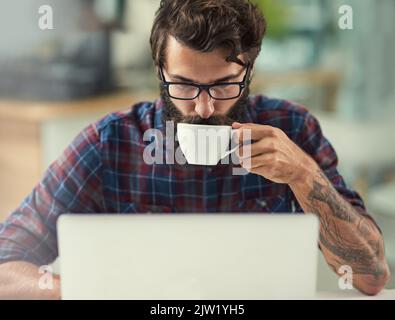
{"x": 199, "y": 66}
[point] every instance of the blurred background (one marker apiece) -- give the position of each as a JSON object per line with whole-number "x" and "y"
{"x": 97, "y": 59}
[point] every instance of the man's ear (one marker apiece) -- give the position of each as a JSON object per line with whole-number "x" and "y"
{"x": 252, "y": 70}
{"x": 157, "y": 71}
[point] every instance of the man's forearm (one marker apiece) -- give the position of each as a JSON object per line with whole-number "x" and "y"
{"x": 346, "y": 236}
{"x": 21, "y": 280}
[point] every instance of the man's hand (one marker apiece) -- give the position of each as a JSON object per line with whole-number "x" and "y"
{"x": 273, "y": 155}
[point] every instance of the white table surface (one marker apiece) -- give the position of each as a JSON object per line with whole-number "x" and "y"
{"x": 386, "y": 294}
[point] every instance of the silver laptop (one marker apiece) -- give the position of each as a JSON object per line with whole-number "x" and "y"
{"x": 188, "y": 256}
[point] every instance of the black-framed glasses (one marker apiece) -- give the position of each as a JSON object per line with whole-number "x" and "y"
{"x": 217, "y": 91}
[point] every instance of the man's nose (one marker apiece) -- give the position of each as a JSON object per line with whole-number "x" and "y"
{"x": 204, "y": 105}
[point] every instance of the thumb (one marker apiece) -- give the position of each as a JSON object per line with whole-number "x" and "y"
{"x": 236, "y": 125}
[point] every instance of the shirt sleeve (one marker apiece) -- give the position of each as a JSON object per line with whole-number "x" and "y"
{"x": 72, "y": 184}
{"x": 312, "y": 141}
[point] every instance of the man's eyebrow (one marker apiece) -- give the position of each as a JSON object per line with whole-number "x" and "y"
{"x": 183, "y": 79}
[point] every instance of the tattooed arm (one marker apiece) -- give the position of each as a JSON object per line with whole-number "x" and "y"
{"x": 347, "y": 236}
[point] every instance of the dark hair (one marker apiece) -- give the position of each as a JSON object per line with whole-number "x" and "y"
{"x": 205, "y": 25}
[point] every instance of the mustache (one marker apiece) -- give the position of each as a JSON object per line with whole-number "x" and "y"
{"x": 213, "y": 120}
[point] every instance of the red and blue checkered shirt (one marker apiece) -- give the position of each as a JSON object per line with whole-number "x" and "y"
{"x": 102, "y": 171}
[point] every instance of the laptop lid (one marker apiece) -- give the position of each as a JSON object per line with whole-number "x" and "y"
{"x": 188, "y": 256}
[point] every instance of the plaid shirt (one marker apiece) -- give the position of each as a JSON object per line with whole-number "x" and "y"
{"x": 102, "y": 171}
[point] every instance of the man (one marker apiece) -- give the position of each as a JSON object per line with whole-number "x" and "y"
{"x": 204, "y": 52}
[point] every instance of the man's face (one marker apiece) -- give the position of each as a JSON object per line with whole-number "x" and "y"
{"x": 187, "y": 65}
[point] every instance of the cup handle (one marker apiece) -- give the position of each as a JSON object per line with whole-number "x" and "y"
{"x": 233, "y": 149}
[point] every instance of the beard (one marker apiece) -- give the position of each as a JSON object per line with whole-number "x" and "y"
{"x": 235, "y": 114}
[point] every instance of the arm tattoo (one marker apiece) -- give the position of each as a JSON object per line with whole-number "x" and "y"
{"x": 344, "y": 232}
{"x": 326, "y": 193}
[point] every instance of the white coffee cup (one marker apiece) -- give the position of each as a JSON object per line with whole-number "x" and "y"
{"x": 204, "y": 144}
